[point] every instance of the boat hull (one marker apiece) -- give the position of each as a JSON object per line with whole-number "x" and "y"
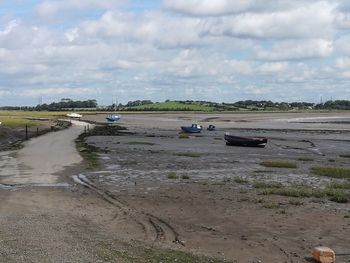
{"x": 244, "y": 141}
{"x": 190, "y": 129}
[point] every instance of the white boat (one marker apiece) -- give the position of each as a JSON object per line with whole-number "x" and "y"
{"x": 74, "y": 115}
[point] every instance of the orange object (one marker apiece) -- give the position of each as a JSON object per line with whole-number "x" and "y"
{"x": 323, "y": 254}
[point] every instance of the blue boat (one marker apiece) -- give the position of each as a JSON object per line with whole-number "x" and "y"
{"x": 195, "y": 128}
{"x": 112, "y": 117}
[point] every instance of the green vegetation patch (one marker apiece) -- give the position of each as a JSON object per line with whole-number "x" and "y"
{"x": 335, "y": 172}
{"x": 173, "y": 106}
{"x": 338, "y": 196}
{"x": 278, "y": 164}
{"x": 339, "y": 185}
{"x": 294, "y": 192}
{"x": 240, "y": 180}
{"x": 183, "y": 136}
{"x": 17, "y": 122}
{"x": 260, "y": 184}
{"x": 172, "y": 175}
{"x": 188, "y": 154}
{"x": 345, "y": 155}
{"x": 305, "y": 159}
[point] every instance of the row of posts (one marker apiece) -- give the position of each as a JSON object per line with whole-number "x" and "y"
{"x": 37, "y": 132}
{"x": 86, "y": 129}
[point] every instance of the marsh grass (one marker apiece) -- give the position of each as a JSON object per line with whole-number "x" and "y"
{"x": 272, "y": 205}
{"x": 89, "y": 153}
{"x": 279, "y": 164}
{"x": 334, "y": 195}
{"x": 338, "y": 196}
{"x": 239, "y": 180}
{"x": 260, "y": 184}
{"x": 294, "y": 192}
{"x": 172, "y": 175}
{"x": 305, "y": 159}
{"x": 339, "y": 185}
{"x": 188, "y": 154}
{"x": 335, "y": 172}
{"x": 185, "y": 177}
{"x": 345, "y": 155}
{"x": 183, "y": 136}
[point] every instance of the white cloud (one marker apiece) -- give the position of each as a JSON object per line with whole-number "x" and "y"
{"x": 294, "y": 23}
{"x": 227, "y": 7}
{"x": 296, "y": 49}
{"x": 342, "y": 44}
{"x": 219, "y": 50}
{"x": 343, "y": 63}
{"x": 274, "y": 67}
{"x": 51, "y": 8}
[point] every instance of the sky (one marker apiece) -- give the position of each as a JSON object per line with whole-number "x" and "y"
{"x": 216, "y": 50}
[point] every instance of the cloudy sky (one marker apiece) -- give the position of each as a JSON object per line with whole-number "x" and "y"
{"x": 218, "y": 50}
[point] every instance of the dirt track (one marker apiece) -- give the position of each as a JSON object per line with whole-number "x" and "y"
{"x": 132, "y": 200}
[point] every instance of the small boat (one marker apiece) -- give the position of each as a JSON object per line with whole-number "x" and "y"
{"x": 245, "y": 141}
{"x": 74, "y": 115}
{"x": 113, "y": 117}
{"x": 211, "y": 128}
{"x": 195, "y": 128}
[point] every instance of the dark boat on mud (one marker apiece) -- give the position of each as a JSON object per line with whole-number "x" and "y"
{"x": 245, "y": 141}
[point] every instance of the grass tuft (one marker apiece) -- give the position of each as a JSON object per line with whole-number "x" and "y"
{"x": 172, "y": 175}
{"x": 185, "y": 177}
{"x": 305, "y": 159}
{"x": 278, "y": 164}
{"x": 239, "y": 180}
{"x": 335, "y": 172}
{"x": 260, "y": 184}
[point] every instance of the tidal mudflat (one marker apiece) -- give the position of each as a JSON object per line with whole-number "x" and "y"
{"x": 246, "y": 204}
{"x": 149, "y": 188}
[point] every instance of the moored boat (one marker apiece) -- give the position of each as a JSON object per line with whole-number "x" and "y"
{"x": 195, "y": 128}
{"x": 245, "y": 141}
{"x": 112, "y": 117}
{"x": 74, "y": 115}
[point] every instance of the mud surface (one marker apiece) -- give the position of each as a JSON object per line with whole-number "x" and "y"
{"x": 156, "y": 188}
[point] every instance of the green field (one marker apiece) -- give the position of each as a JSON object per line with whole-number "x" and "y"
{"x": 17, "y": 122}
{"x": 173, "y": 106}
{"x": 35, "y": 114}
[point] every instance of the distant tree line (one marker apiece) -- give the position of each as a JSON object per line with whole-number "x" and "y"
{"x": 334, "y": 105}
{"x": 68, "y": 104}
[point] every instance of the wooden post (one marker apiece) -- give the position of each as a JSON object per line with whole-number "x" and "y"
{"x": 37, "y": 131}
{"x": 84, "y": 129}
{"x": 26, "y": 132}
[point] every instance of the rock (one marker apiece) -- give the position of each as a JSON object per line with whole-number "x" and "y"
{"x": 323, "y": 255}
